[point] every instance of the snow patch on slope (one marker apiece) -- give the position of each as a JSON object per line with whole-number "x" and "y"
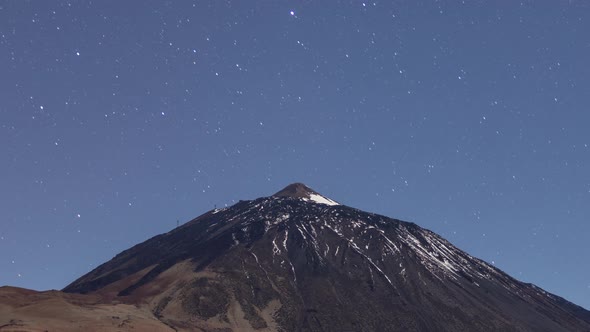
{"x": 320, "y": 199}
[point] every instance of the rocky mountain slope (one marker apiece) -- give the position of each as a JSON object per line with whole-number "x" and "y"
{"x": 299, "y": 261}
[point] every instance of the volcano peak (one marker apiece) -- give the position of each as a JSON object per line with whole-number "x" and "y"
{"x": 300, "y": 190}
{"x": 296, "y": 189}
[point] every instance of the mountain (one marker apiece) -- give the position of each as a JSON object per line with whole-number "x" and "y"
{"x": 299, "y": 261}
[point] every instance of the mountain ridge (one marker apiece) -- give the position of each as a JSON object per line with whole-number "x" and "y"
{"x": 289, "y": 262}
{"x": 305, "y": 242}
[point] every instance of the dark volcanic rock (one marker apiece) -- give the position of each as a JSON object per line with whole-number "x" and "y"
{"x": 326, "y": 267}
{"x": 295, "y": 190}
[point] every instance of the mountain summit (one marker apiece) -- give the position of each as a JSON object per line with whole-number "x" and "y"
{"x": 298, "y": 261}
{"x": 299, "y": 190}
{"x": 296, "y": 189}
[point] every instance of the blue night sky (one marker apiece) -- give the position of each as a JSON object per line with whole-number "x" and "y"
{"x": 118, "y": 118}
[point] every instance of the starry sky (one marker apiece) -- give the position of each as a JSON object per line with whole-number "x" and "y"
{"x": 119, "y": 119}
